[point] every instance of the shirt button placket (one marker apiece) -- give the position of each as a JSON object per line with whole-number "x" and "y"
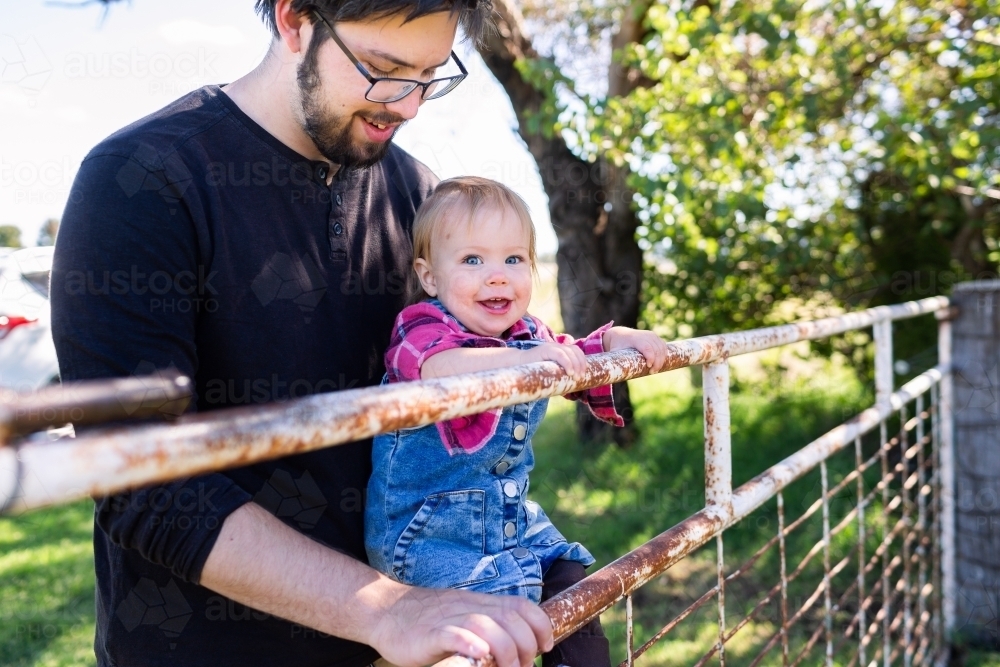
{"x": 511, "y": 492}
{"x": 337, "y": 229}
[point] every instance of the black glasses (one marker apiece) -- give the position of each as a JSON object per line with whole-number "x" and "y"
{"x": 387, "y": 89}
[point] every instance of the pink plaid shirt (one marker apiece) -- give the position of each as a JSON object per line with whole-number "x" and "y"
{"x": 423, "y": 330}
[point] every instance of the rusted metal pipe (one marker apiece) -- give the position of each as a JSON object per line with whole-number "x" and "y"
{"x": 79, "y": 403}
{"x": 114, "y": 460}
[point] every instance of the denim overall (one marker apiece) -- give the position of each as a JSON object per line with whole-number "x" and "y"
{"x": 463, "y": 521}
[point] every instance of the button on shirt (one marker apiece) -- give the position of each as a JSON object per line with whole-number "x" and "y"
{"x": 196, "y": 240}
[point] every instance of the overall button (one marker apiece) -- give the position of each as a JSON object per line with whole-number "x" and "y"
{"x": 502, "y": 467}
{"x": 339, "y": 199}
{"x": 520, "y": 552}
{"x": 338, "y": 229}
{"x": 509, "y": 529}
{"x": 321, "y": 173}
{"x": 510, "y": 489}
{"x": 520, "y": 431}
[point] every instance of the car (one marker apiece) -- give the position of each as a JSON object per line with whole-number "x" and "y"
{"x": 27, "y": 355}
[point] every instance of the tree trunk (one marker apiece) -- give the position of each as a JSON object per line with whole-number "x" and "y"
{"x": 599, "y": 262}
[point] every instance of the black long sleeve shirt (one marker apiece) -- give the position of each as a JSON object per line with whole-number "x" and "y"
{"x": 194, "y": 239}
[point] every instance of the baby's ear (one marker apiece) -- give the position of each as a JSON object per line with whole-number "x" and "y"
{"x": 425, "y": 275}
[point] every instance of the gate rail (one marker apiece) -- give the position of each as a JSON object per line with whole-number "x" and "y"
{"x": 36, "y": 473}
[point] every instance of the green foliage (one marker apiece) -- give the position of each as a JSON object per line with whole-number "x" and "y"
{"x": 546, "y": 77}
{"x": 818, "y": 153}
{"x": 10, "y": 236}
{"x": 817, "y": 99}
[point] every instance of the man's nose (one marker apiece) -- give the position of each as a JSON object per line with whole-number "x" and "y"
{"x": 408, "y": 106}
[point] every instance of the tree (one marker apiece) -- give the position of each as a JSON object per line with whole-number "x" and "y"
{"x": 802, "y": 154}
{"x": 781, "y": 137}
{"x": 590, "y": 204}
{"x": 10, "y": 236}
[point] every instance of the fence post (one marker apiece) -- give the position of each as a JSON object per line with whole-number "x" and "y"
{"x": 882, "y": 333}
{"x": 973, "y": 596}
{"x": 718, "y": 454}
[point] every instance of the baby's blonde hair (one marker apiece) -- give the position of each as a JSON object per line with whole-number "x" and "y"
{"x": 461, "y": 198}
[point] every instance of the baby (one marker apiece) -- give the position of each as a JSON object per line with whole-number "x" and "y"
{"x": 447, "y": 503}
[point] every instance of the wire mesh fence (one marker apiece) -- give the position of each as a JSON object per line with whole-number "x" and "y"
{"x": 849, "y": 573}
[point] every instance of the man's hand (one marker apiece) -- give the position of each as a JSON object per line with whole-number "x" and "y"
{"x": 651, "y": 346}
{"x": 299, "y": 579}
{"x": 426, "y": 625}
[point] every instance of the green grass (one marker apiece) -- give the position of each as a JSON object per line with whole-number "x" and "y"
{"x": 610, "y": 499}
{"x": 47, "y": 588}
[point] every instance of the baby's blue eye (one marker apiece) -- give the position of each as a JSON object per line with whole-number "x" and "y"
{"x": 472, "y": 259}
{"x": 514, "y": 259}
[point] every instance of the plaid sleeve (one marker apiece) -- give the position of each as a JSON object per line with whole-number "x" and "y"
{"x": 598, "y": 399}
{"x": 421, "y": 331}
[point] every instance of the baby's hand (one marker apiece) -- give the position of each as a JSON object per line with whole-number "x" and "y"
{"x": 570, "y": 357}
{"x": 651, "y": 346}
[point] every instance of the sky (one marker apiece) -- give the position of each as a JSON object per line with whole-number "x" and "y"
{"x": 70, "y": 76}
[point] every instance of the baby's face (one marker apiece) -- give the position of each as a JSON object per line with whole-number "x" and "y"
{"x": 481, "y": 271}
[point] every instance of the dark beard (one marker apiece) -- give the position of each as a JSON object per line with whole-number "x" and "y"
{"x": 329, "y": 132}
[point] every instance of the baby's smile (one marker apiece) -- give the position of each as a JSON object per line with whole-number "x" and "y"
{"x": 496, "y": 305}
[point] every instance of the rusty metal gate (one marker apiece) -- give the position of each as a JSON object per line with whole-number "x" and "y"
{"x": 886, "y": 591}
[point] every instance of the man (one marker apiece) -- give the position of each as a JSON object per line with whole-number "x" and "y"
{"x": 256, "y": 237}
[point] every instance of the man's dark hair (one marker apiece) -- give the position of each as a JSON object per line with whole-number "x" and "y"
{"x": 475, "y": 16}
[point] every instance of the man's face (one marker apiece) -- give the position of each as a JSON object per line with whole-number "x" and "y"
{"x": 346, "y": 128}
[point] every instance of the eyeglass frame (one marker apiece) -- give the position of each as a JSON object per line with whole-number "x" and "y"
{"x": 374, "y": 80}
